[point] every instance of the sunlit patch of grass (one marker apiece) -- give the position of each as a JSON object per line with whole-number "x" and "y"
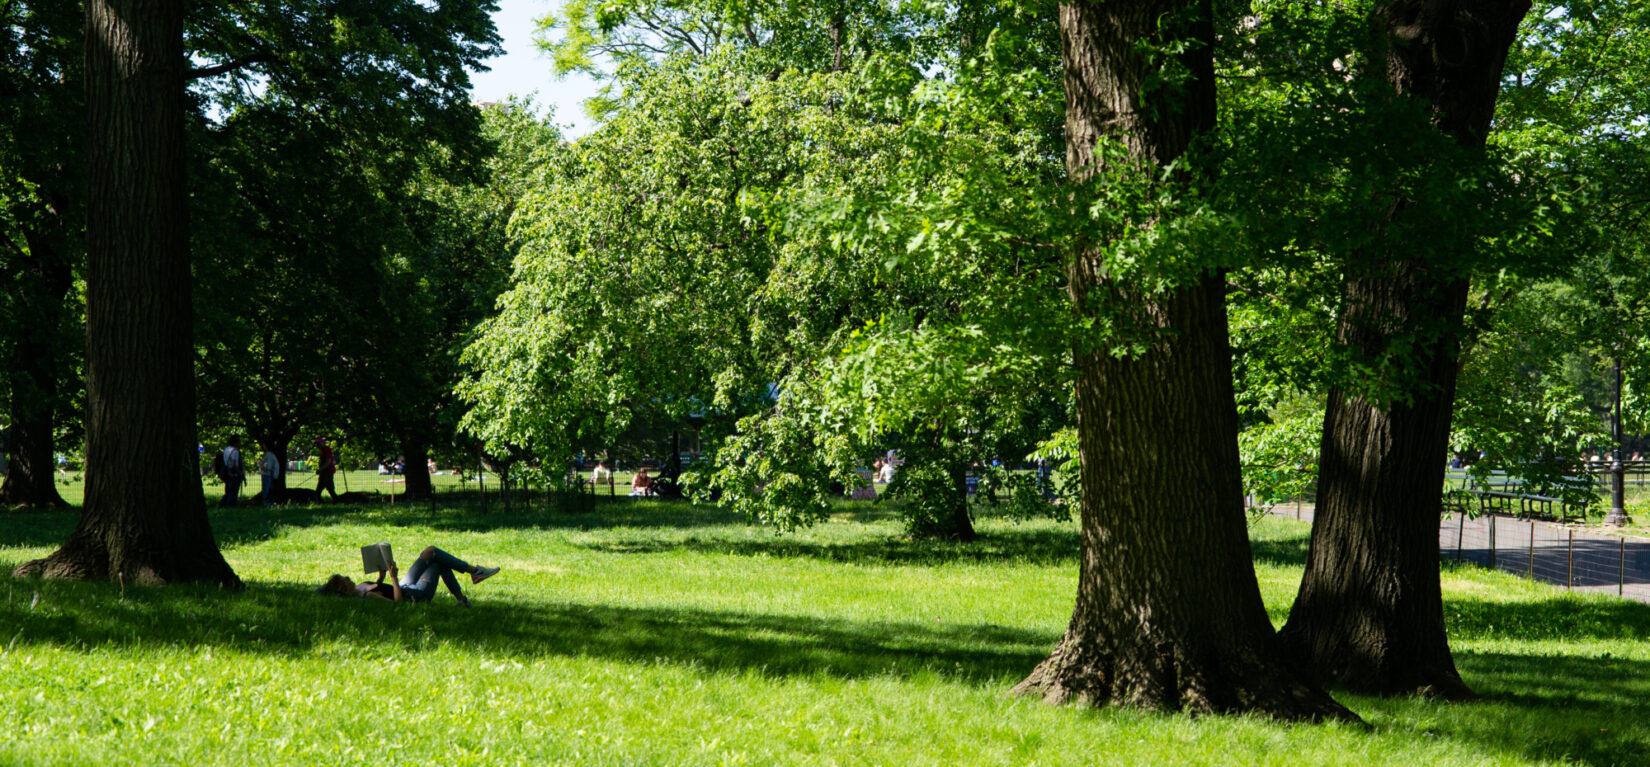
{"x": 659, "y": 633}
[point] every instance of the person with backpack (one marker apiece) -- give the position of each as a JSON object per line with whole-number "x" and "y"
{"x": 229, "y": 470}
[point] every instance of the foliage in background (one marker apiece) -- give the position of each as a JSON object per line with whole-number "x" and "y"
{"x": 448, "y": 276}
{"x": 618, "y": 41}
{"x": 308, "y": 321}
{"x": 42, "y": 245}
{"x": 1280, "y": 452}
{"x": 629, "y": 297}
{"x": 1315, "y": 189}
{"x": 699, "y": 203}
{"x": 1537, "y": 389}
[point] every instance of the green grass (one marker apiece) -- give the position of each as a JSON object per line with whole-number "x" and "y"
{"x": 651, "y": 633}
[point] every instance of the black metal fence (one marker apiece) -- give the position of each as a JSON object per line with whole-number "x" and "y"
{"x": 1551, "y": 553}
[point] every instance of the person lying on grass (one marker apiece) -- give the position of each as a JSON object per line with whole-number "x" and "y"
{"x": 418, "y": 586}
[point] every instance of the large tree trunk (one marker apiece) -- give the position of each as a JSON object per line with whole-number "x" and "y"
{"x": 33, "y": 372}
{"x": 29, "y": 466}
{"x": 960, "y": 525}
{"x": 44, "y": 285}
{"x": 145, "y": 518}
{"x": 1168, "y": 613}
{"x": 416, "y": 451}
{"x": 1369, "y": 613}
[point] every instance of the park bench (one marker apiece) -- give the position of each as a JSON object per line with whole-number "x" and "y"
{"x": 1499, "y": 492}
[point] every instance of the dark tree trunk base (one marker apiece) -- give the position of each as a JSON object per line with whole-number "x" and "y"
{"x": 1178, "y": 677}
{"x": 25, "y": 494}
{"x": 1371, "y": 666}
{"x": 31, "y": 478}
{"x": 958, "y": 536}
{"x": 417, "y": 485}
{"x": 1369, "y": 615}
{"x": 145, "y": 519}
{"x": 84, "y": 558}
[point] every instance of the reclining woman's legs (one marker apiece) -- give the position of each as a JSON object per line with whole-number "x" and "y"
{"x": 433, "y": 563}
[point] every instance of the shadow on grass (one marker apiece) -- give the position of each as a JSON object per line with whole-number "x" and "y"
{"x": 30, "y": 528}
{"x": 1560, "y": 618}
{"x": 1570, "y": 709}
{"x": 249, "y": 523}
{"x": 243, "y": 526}
{"x": 1536, "y": 707}
{"x": 1284, "y": 552}
{"x": 1554, "y": 709}
{"x": 290, "y": 621}
{"x": 1035, "y": 547}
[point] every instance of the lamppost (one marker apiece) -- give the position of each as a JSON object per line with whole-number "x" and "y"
{"x": 1618, "y": 514}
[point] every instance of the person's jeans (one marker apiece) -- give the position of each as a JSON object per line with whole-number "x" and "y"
{"x": 231, "y": 492}
{"x": 323, "y": 484}
{"x": 418, "y": 584}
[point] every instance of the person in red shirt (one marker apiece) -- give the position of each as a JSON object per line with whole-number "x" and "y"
{"x": 325, "y": 467}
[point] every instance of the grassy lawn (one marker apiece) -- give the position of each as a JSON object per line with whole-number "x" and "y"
{"x": 651, "y": 633}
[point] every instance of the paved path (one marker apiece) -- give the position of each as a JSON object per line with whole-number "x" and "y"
{"x": 1566, "y": 556}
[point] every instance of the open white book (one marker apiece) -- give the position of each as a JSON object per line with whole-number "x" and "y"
{"x": 376, "y": 557}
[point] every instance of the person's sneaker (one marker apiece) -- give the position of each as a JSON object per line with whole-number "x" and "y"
{"x": 483, "y": 573}
{"x": 463, "y": 601}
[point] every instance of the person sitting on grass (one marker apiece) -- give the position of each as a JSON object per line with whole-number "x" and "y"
{"x": 418, "y": 586}
{"x": 641, "y": 484}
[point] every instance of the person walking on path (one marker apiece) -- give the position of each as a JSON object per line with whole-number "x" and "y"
{"x": 269, "y": 470}
{"x": 326, "y": 466}
{"x": 232, "y": 474}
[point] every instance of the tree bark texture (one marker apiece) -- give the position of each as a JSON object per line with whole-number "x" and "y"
{"x": 145, "y": 518}
{"x": 960, "y": 524}
{"x": 416, "y": 474}
{"x": 1168, "y": 613}
{"x": 1369, "y": 613}
{"x": 45, "y": 283}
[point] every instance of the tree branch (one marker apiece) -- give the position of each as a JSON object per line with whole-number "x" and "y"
{"x": 229, "y": 66}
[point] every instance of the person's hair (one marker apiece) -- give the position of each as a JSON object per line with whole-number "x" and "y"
{"x": 337, "y": 585}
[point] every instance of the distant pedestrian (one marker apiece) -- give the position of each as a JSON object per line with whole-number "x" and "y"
{"x": 269, "y": 470}
{"x": 232, "y": 473}
{"x": 325, "y": 467}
